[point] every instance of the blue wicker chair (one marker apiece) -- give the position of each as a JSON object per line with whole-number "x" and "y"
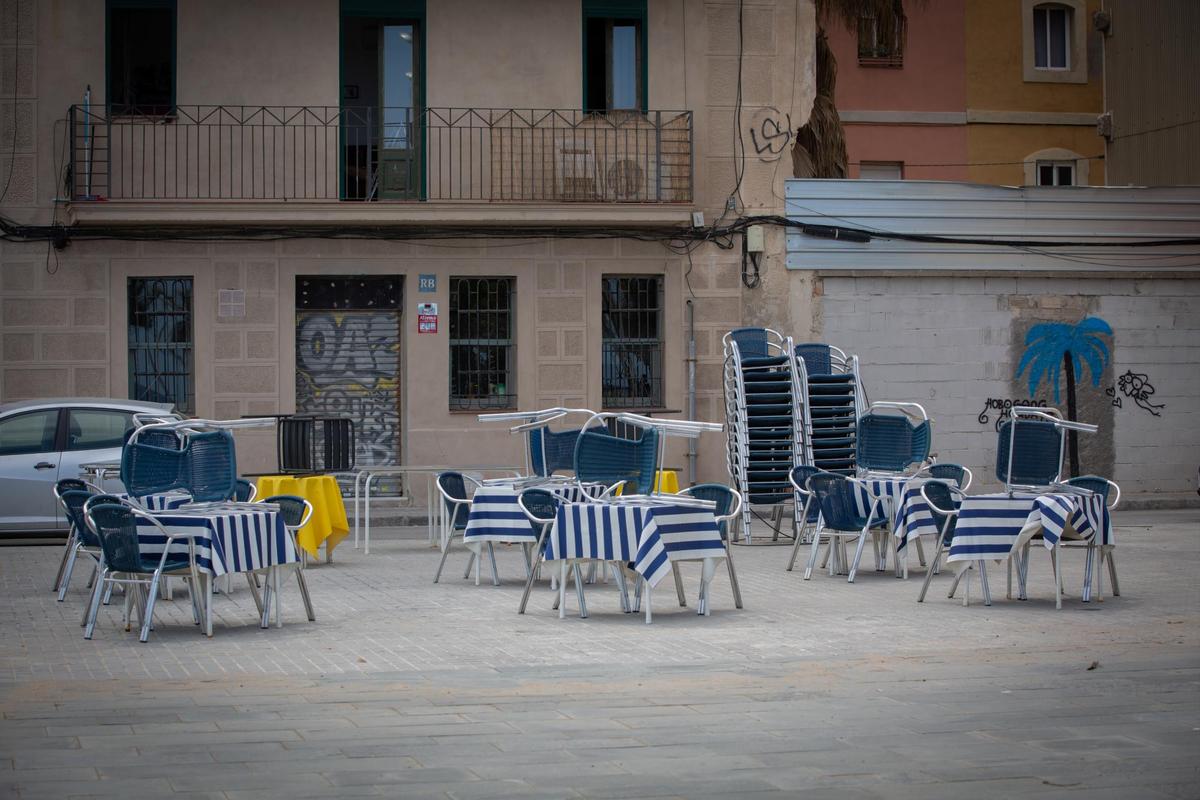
{"x": 296, "y": 512}
{"x": 244, "y": 491}
{"x": 1037, "y": 447}
{"x": 541, "y": 507}
{"x": 808, "y": 513}
{"x": 891, "y": 443}
{"x": 80, "y": 538}
{"x": 956, "y": 474}
{"x": 125, "y": 564}
{"x": 834, "y": 495}
{"x": 1105, "y": 488}
{"x": 603, "y": 458}
{"x": 452, "y": 486}
{"x": 728, "y": 506}
{"x": 943, "y": 500}
{"x": 64, "y": 485}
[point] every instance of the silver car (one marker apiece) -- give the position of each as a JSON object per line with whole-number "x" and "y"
{"x": 42, "y": 441}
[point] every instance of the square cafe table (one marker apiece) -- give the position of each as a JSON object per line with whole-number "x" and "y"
{"x": 233, "y": 537}
{"x": 996, "y": 526}
{"x": 646, "y": 535}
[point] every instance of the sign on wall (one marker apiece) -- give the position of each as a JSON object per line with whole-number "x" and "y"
{"x": 427, "y": 283}
{"x": 427, "y": 317}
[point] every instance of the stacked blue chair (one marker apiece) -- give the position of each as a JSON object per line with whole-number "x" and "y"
{"x": 550, "y": 451}
{"x": 764, "y": 417}
{"x": 891, "y": 443}
{"x": 833, "y": 395}
{"x": 205, "y": 466}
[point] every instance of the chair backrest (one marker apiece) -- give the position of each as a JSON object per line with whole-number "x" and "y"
{"x": 338, "y": 445}
{"x": 799, "y": 477}
{"x": 1037, "y": 452}
{"x": 938, "y": 495}
{"x": 603, "y": 458}
{"x": 946, "y": 471}
{"x": 890, "y": 442}
{"x": 149, "y": 469}
{"x": 817, "y": 358}
{"x": 294, "y": 510}
{"x": 539, "y": 505}
{"x": 68, "y": 484}
{"x": 161, "y": 437}
{"x": 116, "y": 526}
{"x": 295, "y": 444}
{"x": 72, "y": 501}
{"x": 454, "y": 487}
{"x": 835, "y": 497}
{"x": 724, "y": 497}
{"x": 751, "y": 342}
{"x": 1099, "y": 485}
{"x": 244, "y": 491}
{"x": 212, "y": 466}
{"x": 559, "y": 450}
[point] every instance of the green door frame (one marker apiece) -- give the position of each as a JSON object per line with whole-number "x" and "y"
{"x": 399, "y": 11}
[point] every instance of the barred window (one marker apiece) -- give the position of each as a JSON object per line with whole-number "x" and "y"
{"x": 481, "y": 343}
{"x": 161, "y": 366}
{"x": 881, "y": 38}
{"x": 633, "y": 343}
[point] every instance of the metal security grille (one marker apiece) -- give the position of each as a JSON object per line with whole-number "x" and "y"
{"x": 481, "y": 345}
{"x": 161, "y": 368}
{"x": 633, "y": 345}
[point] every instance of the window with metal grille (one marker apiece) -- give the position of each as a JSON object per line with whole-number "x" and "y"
{"x": 161, "y": 364}
{"x": 481, "y": 343}
{"x": 632, "y": 356}
{"x": 881, "y": 38}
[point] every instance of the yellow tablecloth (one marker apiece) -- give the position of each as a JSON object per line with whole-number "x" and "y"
{"x": 668, "y": 479}
{"x": 328, "y": 523}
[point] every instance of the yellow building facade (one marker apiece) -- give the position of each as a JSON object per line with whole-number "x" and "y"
{"x": 1034, "y": 90}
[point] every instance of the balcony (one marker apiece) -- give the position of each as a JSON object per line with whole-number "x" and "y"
{"x": 263, "y": 156}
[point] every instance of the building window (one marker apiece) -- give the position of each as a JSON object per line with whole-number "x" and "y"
{"x": 1052, "y": 37}
{"x": 632, "y": 357}
{"x": 881, "y": 38}
{"x": 141, "y": 56}
{"x": 161, "y": 363}
{"x": 481, "y": 343}
{"x": 881, "y": 170}
{"x": 1055, "y": 173}
{"x": 614, "y": 54}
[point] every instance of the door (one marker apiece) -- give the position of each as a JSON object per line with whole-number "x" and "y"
{"x": 381, "y": 130}
{"x": 348, "y": 359}
{"x": 29, "y": 470}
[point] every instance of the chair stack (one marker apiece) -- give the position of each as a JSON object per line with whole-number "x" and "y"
{"x": 833, "y": 397}
{"x": 765, "y": 417}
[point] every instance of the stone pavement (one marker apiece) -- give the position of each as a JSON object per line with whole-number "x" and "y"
{"x": 816, "y": 689}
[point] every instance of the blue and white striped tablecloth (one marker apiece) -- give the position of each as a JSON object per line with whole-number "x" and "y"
{"x": 229, "y": 541}
{"x": 649, "y": 536}
{"x": 913, "y": 518}
{"x": 887, "y": 490}
{"x": 496, "y": 516}
{"x": 160, "y": 502}
{"x": 994, "y": 525}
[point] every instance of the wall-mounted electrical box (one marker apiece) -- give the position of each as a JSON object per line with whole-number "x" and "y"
{"x": 754, "y": 239}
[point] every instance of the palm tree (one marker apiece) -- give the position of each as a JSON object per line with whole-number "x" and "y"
{"x": 1051, "y": 347}
{"x": 820, "y": 149}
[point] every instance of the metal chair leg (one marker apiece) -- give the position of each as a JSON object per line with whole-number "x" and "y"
{"x": 492, "y": 558}
{"x": 733, "y": 580}
{"x": 66, "y": 579}
{"x": 252, "y": 581}
{"x": 920, "y": 552}
{"x": 929, "y": 572}
{"x": 678, "y": 585}
{"x": 62, "y": 564}
{"x": 1112, "y": 571}
{"x": 858, "y": 551}
{"x": 308, "y": 606}
{"x": 579, "y": 591}
{"x": 1054, "y": 557}
{"x": 445, "y": 552}
{"x": 812, "y": 556}
{"x": 148, "y": 614}
{"x": 94, "y": 606}
{"x": 983, "y": 582}
{"x": 795, "y": 550}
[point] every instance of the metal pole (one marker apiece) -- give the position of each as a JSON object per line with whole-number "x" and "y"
{"x": 691, "y": 389}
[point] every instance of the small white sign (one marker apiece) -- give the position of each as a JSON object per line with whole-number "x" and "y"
{"x": 231, "y": 303}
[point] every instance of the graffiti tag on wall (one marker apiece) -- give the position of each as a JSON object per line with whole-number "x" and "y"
{"x": 1004, "y": 406}
{"x": 770, "y": 133}
{"x": 1137, "y": 387}
{"x": 348, "y": 363}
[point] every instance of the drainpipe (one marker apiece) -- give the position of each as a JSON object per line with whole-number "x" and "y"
{"x": 691, "y": 390}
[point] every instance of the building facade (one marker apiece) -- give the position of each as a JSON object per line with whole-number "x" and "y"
{"x": 333, "y": 206}
{"x": 989, "y": 92}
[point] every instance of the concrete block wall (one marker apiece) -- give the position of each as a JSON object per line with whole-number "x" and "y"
{"x": 952, "y": 343}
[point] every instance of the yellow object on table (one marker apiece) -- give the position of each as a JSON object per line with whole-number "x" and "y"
{"x": 328, "y": 523}
{"x": 668, "y": 479}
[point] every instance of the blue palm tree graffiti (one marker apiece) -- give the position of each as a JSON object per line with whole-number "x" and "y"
{"x": 1052, "y": 348}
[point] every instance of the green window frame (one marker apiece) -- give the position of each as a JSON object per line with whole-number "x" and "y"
{"x": 614, "y": 11}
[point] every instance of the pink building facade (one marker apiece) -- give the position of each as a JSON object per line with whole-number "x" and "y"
{"x": 904, "y": 109}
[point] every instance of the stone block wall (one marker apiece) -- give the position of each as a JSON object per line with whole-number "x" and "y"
{"x": 955, "y": 343}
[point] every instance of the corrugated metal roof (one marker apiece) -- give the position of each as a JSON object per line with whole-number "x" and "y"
{"x": 944, "y": 208}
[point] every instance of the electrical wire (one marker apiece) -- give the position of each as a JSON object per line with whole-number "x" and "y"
{"x": 12, "y": 159}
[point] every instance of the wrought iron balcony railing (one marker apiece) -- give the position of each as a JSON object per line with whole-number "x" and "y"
{"x": 371, "y": 153}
